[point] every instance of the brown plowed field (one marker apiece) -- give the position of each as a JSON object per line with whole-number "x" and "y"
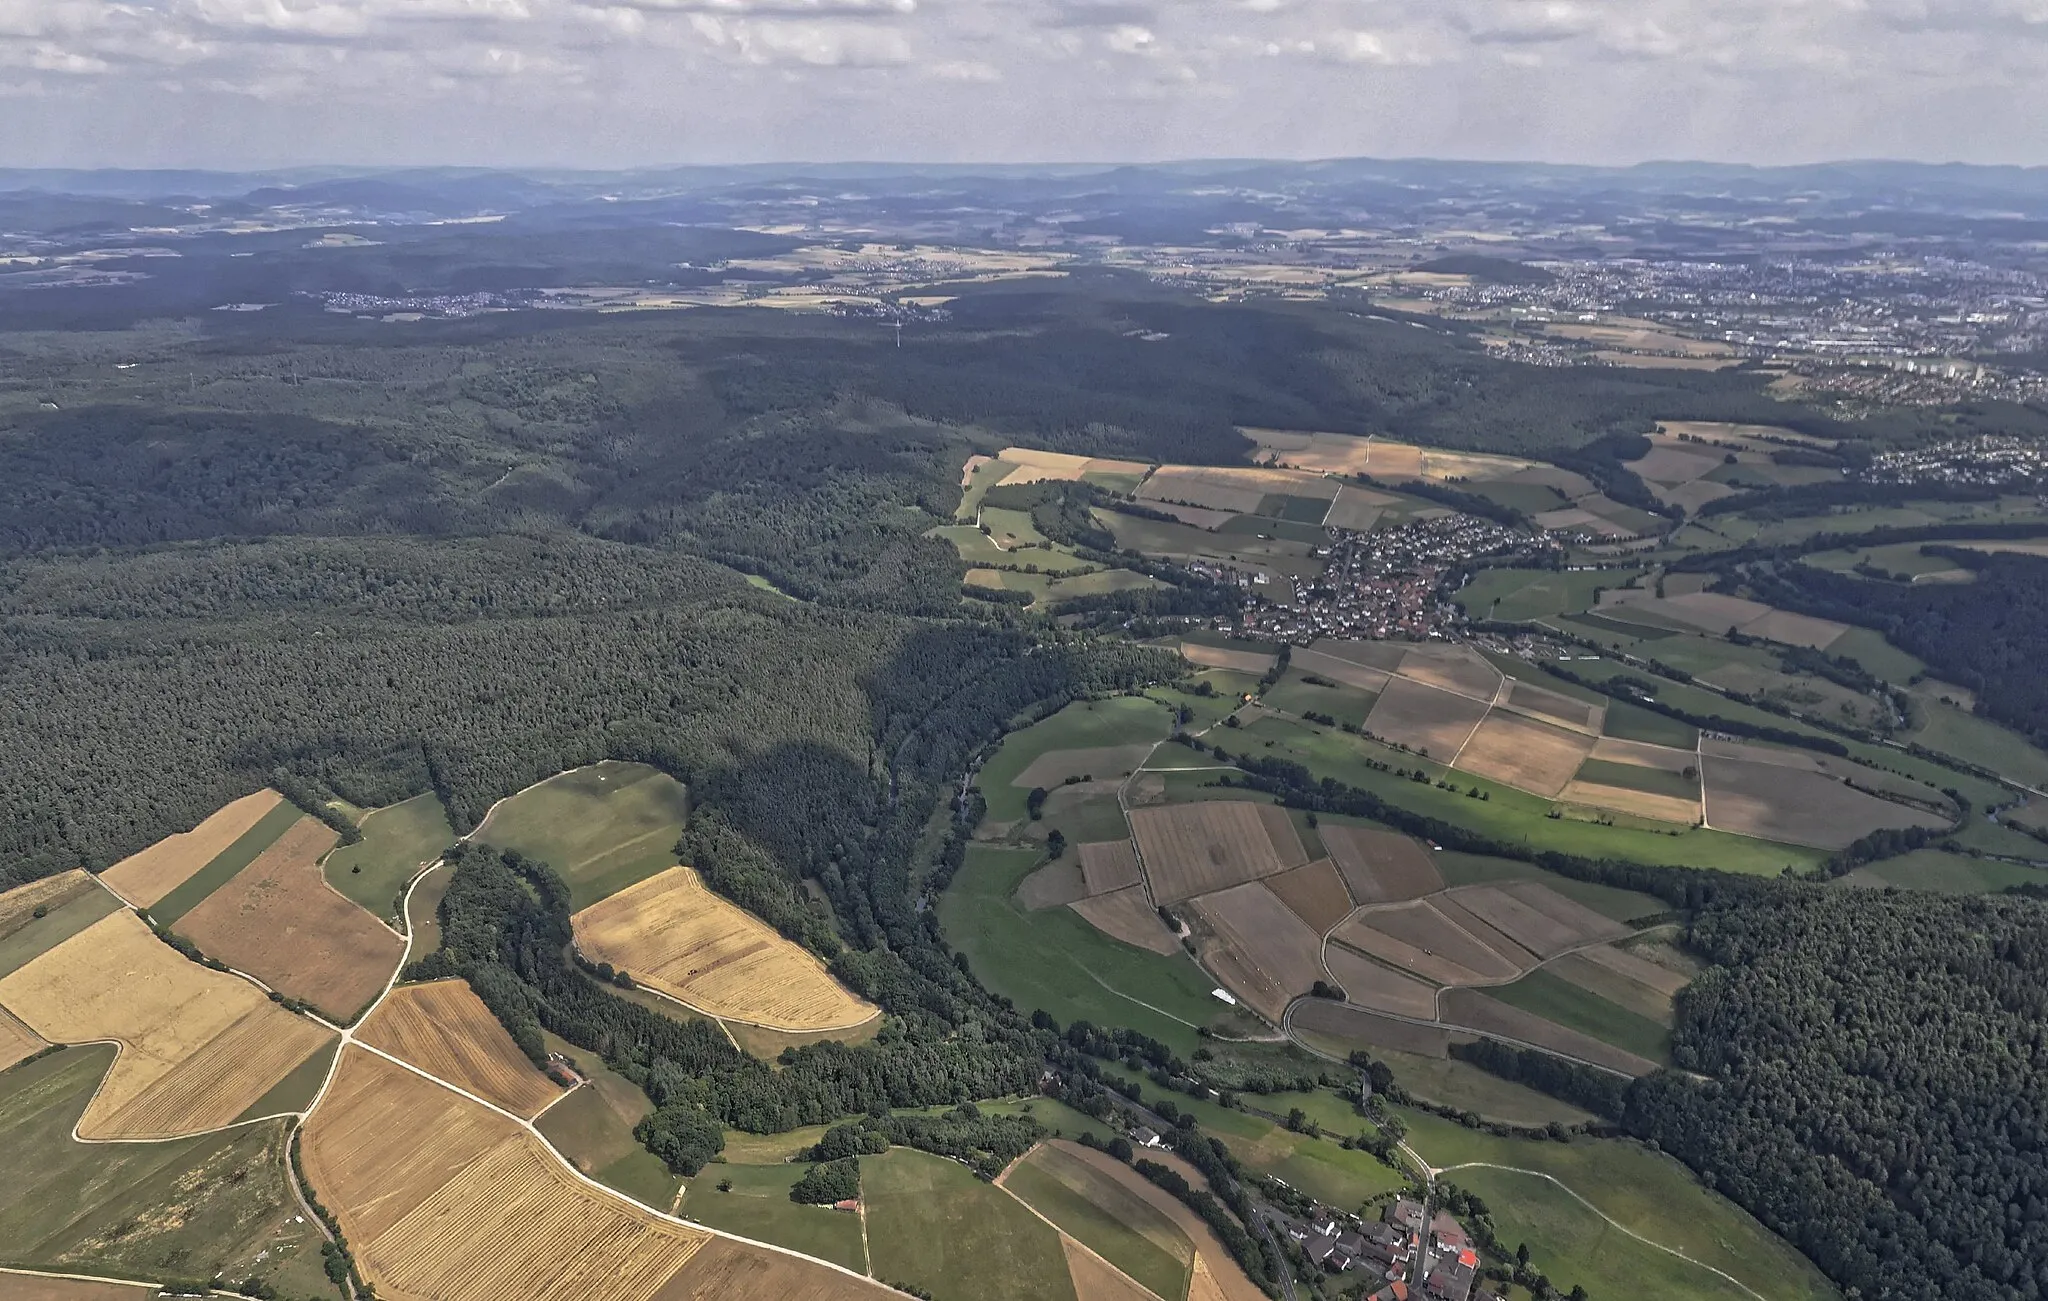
{"x": 1644, "y": 804}
{"x": 197, "y": 1046}
{"x": 27, "y": 1287}
{"x": 1129, "y": 916}
{"x": 280, "y": 921}
{"x": 1191, "y": 849}
{"x": 442, "y": 1198}
{"x": 1315, "y": 893}
{"x": 445, "y": 1030}
{"x": 1280, "y": 830}
{"x": 1641, "y": 970}
{"x": 1644, "y": 755}
{"x": 1518, "y": 751}
{"x": 1572, "y": 712}
{"x": 1385, "y": 656}
{"x": 678, "y": 938}
{"x": 1380, "y": 988}
{"x": 724, "y": 1270}
{"x": 1057, "y": 883}
{"x": 1606, "y": 982}
{"x": 1364, "y": 677}
{"x": 1776, "y": 802}
{"x": 1454, "y": 668}
{"x": 1483, "y": 931}
{"x": 18, "y": 906}
{"x": 1109, "y": 865}
{"x": 1428, "y": 720}
{"x": 1262, "y": 952}
{"x": 17, "y": 1041}
{"x": 1354, "y": 1025}
{"x": 145, "y": 878}
{"x": 1219, "y": 657}
{"x": 1470, "y": 1008}
{"x": 1380, "y": 866}
{"x": 1537, "y": 917}
{"x": 1419, "y": 938}
{"x": 1106, "y": 763}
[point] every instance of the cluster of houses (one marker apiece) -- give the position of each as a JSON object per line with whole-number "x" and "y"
{"x": 1432, "y": 1262}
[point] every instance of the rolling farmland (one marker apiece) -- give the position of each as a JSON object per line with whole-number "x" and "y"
{"x": 602, "y": 828}
{"x": 145, "y": 878}
{"x": 1193, "y": 849}
{"x": 445, "y": 1029}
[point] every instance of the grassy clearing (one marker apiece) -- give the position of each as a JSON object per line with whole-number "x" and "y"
{"x": 186, "y": 1208}
{"x": 1557, "y": 999}
{"x": 1056, "y": 961}
{"x": 1945, "y": 873}
{"x": 933, "y": 1224}
{"x": 1226, "y": 689}
{"x": 1869, "y": 648}
{"x": 1634, "y": 777}
{"x": 227, "y": 863}
{"x": 603, "y": 827}
{"x": 1295, "y": 694}
{"x": 44, "y": 933}
{"x": 1634, "y": 723}
{"x": 1653, "y": 1195}
{"x": 1102, "y": 1214}
{"x": 985, "y": 476}
{"x": 1085, "y": 724}
{"x": 1518, "y": 595}
{"x": 1893, "y": 558}
{"x": 396, "y": 840}
{"x": 1977, "y": 740}
{"x": 421, "y": 907}
{"x": 758, "y": 1206}
{"x": 1509, "y": 815}
{"x": 593, "y": 1128}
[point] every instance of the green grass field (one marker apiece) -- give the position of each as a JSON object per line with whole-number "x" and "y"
{"x": 1121, "y": 1227}
{"x": 1990, "y": 837}
{"x": 396, "y": 840}
{"x": 986, "y": 475}
{"x": 1893, "y": 558}
{"x": 1556, "y": 999}
{"x": 758, "y": 1207}
{"x": 978, "y": 548}
{"x": 1083, "y": 725}
{"x": 1294, "y": 694}
{"x": 1519, "y": 595}
{"x": 1631, "y": 722}
{"x": 217, "y": 873}
{"x": 296, "y": 1091}
{"x": 44, "y": 933}
{"x": 1945, "y": 873}
{"x": 1634, "y": 777}
{"x": 931, "y": 1223}
{"x": 603, "y": 827}
{"x": 189, "y": 1208}
{"x": 1450, "y": 1083}
{"x": 1976, "y": 740}
{"x": 1056, "y": 961}
{"x": 1509, "y": 815}
{"x": 1869, "y": 648}
{"x": 593, "y": 1127}
{"x": 1651, "y": 1194}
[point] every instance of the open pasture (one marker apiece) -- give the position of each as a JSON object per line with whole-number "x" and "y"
{"x": 1380, "y": 866}
{"x": 1095, "y": 763}
{"x": 197, "y": 1047}
{"x": 933, "y": 1224}
{"x": 1222, "y": 657}
{"x": 757, "y": 1206}
{"x": 1588, "y": 1011}
{"x": 1622, "y": 979}
{"x": 1795, "y": 804}
{"x": 1473, "y": 1010}
{"x": 1377, "y": 987}
{"x": 677, "y": 937}
{"x": 280, "y": 921}
{"x": 1313, "y": 892}
{"x": 1096, "y": 1208}
{"x": 602, "y": 828}
{"x": 1192, "y": 849}
{"x": 1714, "y": 612}
{"x": 1338, "y": 669}
{"x": 397, "y": 841}
{"x": 444, "y": 1029}
{"x": 18, "y": 907}
{"x": 146, "y": 877}
{"x": 1129, "y": 916}
{"x": 1556, "y": 707}
{"x": 1259, "y": 949}
{"x": 1108, "y": 865}
{"x": 1083, "y": 725}
{"x": 1058, "y": 883}
{"x": 1419, "y": 938}
{"x": 1536, "y": 917}
{"x": 1337, "y": 1028}
{"x": 1431, "y": 721}
{"x": 444, "y": 1198}
{"x": 1519, "y": 751}
{"x": 1454, "y": 668}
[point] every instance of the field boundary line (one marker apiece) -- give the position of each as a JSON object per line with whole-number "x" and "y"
{"x": 83, "y": 1278}
{"x": 1611, "y": 1221}
{"x": 1064, "y": 1236}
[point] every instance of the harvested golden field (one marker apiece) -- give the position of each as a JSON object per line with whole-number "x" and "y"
{"x": 1380, "y": 988}
{"x": 443, "y": 1198}
{"x": 1433, "y": 722}
{"x": 280, "y": 921}
{"x": 1129, "y": 916}
{"x": 1643, "y": 804}
{"x": 444, "y": 1029}
{"x": 1351, "y": 674}
{"x": 1108, "y": 865}
{"x": 1219, "y": 657}
{"x": 17, "y": 1041}
{"x": 18, "y": 906}
{"x": 1313, "y": 892}
{"x": 680, "y": 939}
{"x": 1034, "y": 466}
{"x": 28, "y": 1287}
{"x": 1258, "y": 948}
{"x": 1057, "y": 883}
{"x": 1385, "y": 656}
{"x": 1568, "y": 710}
{"x": 197, "y": 1047}
{"x": 1419, "y": 938}
{"x": 145, "y": 878}
{"x": 725, "y": 1270}
{"x": 1191, "y": 849}
{"x": 1715, "y": 613}
{"x": 1380, "y": 866}
{"x": 1475, "y": 1011}
{"x": 1671, "y": 462}
{"x": 1236, "y": 489}
{"x": 1645, "y": 755}
{"x": 1537, "y": 917}
{"x": 1518, "y": 751}
{"x": 1357, "y": 509}
{"x": 1454, "y": 668}
{"x": 1095, "y": 763}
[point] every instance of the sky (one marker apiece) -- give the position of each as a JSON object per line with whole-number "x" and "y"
{"x": 620, "y": 83}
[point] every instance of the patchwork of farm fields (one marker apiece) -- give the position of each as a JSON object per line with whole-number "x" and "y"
{"x": 602, "y": 828}
{"x": 444, "y": 1029}
{"x": 146, "y": 877}
{"x": 397, "y": 841}
{"x": 932, "y": 1224}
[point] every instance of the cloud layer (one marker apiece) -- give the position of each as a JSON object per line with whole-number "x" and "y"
{"x": 629, "y": 82}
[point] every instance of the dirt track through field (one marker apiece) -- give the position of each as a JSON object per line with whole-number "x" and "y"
{"x": 444, "y": 1029}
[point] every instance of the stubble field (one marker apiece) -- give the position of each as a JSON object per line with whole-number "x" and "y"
{"x": 1193, "y": 849}
{"x": 444, "y": 1029}
{"x": 145, "y": 878}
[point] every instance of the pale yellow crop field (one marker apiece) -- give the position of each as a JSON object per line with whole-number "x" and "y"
{"x": 144, "y": 878}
